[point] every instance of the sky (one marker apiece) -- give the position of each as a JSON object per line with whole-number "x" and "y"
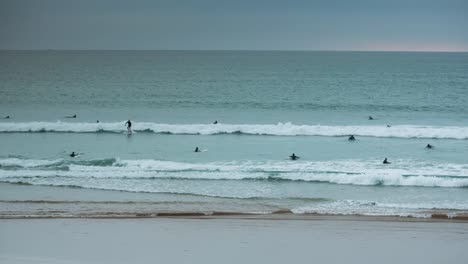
{"x": 368, "y": 25}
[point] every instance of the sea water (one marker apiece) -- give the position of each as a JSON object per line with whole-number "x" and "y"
{"x": 267, "y": 105}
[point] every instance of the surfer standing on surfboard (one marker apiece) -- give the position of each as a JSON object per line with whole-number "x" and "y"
{"x": 129, "y": 126}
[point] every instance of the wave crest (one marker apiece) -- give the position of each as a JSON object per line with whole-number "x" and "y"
{"x": 280, "y": 129}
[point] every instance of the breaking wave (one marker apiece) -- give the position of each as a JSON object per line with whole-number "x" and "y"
{"x": 120, "y": 172}
{"x": 280, "y": 129}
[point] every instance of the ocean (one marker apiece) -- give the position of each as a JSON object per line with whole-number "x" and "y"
{"x": 267, "y": 104}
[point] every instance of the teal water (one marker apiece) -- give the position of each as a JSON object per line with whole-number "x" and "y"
{"x": 267, "y": 104}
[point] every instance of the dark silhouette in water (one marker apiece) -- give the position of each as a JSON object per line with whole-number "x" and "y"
{"x": 371, "y": 118}
{"x": 294, "y": 157}
{"x": 429, "y": 146}
{"x": 388, "y": 125}
{"x": 73, "y": 116}
{"x": 73, "y": 154}
{"x": 351, "y": 138}
{"x": 129, "y": 126}
{"x": 97, "y": 121}
{"x": 386, "y": 161}
{"x": 7, "y": 117}
{"x": 197, "y": 150}
{"x": 215, "y": 122}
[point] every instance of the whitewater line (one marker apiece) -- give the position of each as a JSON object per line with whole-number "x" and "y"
{"x": 280, "y": 129}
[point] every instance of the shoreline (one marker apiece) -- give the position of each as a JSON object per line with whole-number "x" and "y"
{"x": 276, "y": 216}
{"x": 46, "y": 202}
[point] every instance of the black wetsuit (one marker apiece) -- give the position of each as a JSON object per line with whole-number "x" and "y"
{"x": 294, "y": 157}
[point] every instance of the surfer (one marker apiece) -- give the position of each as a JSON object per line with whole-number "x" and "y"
{"x": 215, "y": 122}
{"x": 7, "y": 117}
{"x": 97, "y": 121}
{"x": 386, "y": 161}
{"x": 351, "y": 138}
{"x": 73, "y": 116}
{"x": 73, "y": 154}
{"x": 388, "y": 125}
{"x": 429, "y": 146}
{"x": 197, "y": 150}
{"x": 294, "y": 157}
{"x": 371, "y": 118}
{"x": 129, "y": 126}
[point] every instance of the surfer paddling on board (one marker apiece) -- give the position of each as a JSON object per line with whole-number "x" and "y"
{"x": 386, "y": 161}
{"x": 73, "y": 154}
{"x": 73, "y": 116}
{"x": 294, "y": 157}
{"x": 429, "y": 146}
{"x": 129, "y": 126}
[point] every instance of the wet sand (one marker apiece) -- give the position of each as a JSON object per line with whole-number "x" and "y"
{"x": 231, "y": 240}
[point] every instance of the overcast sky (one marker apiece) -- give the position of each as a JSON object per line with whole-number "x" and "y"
{"x": 423, "y": 25}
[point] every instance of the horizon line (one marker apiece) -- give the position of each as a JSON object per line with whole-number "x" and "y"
{"x": 247, "y": 50}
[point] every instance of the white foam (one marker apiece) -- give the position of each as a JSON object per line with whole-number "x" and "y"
{"x": 364, "y": 207}
{"x": 353, "y": 207}
{"x": 357, "y": 172}
{"x": 280, "y": 129}
{"x": 27, "y": 163}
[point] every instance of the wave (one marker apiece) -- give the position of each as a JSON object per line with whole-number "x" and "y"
{"x": 280, "y": 129}
{"x": 57, "y": 163}
{"x": 372, "y": 208}
{"x": 124, "y": 174}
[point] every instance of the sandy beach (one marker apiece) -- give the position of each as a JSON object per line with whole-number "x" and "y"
{"x": 178, "y": 240}
{"x": 44, "y": 224}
